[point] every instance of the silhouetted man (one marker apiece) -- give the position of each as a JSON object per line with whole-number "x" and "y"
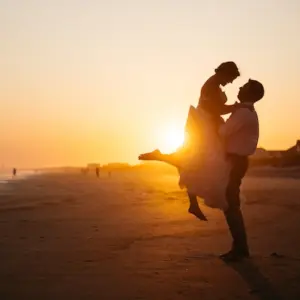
{"x": 240, "y": 134}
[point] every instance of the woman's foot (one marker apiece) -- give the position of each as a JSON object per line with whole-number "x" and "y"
{"x": 196, "y": 211}
{"x": 154, "y": 155}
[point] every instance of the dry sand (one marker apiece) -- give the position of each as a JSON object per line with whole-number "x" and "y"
{"x": 70, "y": 236}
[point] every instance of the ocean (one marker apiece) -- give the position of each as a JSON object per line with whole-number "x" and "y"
{"x": 6, "y": 176}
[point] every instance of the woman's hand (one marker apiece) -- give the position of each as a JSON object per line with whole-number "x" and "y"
{"x": 236, "y": 105}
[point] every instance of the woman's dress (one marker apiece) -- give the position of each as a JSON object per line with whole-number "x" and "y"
{"x": 204, "y": 169}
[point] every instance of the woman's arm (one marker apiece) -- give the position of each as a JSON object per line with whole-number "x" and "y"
{"x": 227, "y": 109}
{"x": 218, "y": 108}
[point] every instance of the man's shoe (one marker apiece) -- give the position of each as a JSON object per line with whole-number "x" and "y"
{"x": 234, "y": 256}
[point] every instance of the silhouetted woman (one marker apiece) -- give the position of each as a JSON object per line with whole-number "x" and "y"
{"x": 201, "y": 157}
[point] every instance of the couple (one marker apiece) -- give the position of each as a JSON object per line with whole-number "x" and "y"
{"x": 214, "y": 158}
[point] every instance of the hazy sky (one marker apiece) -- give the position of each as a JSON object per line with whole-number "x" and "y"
{"x": 85, "y": 81}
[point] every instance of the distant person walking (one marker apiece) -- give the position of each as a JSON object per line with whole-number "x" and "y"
{"x": 14, "y": 172}
{"x": 97, "y": 172}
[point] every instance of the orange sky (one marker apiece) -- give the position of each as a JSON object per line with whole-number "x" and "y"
{"x": 86, "y": 81}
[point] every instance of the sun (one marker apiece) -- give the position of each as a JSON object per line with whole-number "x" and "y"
{"x": 171, "y": 139}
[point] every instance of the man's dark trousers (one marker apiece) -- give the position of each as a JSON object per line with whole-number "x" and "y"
{"x": 234, "y": 217}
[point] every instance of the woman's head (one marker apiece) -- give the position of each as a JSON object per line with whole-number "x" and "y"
{"x": 227, "y": 72}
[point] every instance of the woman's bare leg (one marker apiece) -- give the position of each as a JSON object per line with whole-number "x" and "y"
{"x": 194, "y": 208}
{"x": 156, "y": 155}
{"x": 173, "y": 159}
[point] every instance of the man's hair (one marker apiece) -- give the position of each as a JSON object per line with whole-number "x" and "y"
{"x": 257, "y": 90}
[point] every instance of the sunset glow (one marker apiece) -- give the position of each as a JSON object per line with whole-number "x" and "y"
{"x": 172, "y": 138}
{"x": 107, "y": 80}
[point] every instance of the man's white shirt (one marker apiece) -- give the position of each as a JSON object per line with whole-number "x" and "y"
{"x": 241, "y": 131}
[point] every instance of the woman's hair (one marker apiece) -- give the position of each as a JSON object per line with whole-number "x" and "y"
{"x": 228, "y": 68}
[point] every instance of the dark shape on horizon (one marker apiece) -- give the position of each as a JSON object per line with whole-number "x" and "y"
{"x": 277, "y": 158}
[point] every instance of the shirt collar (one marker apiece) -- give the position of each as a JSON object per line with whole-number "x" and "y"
{"x": 248, "y": 105}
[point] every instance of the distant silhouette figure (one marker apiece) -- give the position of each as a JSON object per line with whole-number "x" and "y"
{"x": 97, "y": 172}
{"x": 14, "y": 172}
{"x": 109, "y": 174}
{"x": 212, "y": 100}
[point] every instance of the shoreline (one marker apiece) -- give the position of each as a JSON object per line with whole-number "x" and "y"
{"x": 21, "y": 175}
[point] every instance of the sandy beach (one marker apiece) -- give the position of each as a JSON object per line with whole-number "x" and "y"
{"x": 70, "y": 236}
